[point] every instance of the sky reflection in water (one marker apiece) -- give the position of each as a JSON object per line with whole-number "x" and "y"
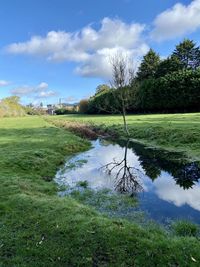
{"x": 171, "y": 188}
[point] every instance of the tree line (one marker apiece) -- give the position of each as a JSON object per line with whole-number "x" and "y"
{"x": 160, "y": 85}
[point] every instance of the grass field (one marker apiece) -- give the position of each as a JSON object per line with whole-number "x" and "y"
{"x": 37, "y": 228}
{"x": 179, "y": 132}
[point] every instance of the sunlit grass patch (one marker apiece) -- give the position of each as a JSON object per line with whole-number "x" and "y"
{"x": 39, "y": 228}
{"x": 179, "y": 132}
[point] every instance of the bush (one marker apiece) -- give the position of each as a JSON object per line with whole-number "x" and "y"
{"x": 35, "y": 111}
{"x": 179, "y": 91}
{"x": 184, "y": 228}
{"x": 10, "y": 107}
{"x": 175, "y": 92}
{"x": 83, "y": 106}
{"x": 108, "y": 102}
{"x": 64, "y": 111}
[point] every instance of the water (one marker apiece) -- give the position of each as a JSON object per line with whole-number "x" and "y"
{"x": 166, "y": 186}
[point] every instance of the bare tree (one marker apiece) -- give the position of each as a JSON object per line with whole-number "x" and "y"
{"x": 122, "y": 77}
{"x": 126, "y": 177}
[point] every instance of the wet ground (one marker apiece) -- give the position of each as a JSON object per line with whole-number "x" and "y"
{"x": 164, "y": 184}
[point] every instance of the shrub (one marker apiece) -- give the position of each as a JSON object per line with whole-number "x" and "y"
{"x": 178, "y": 91}
{"x": 175, "y": 92}
{"x": 64, "y": 111}
{"x": 83, "y": 106}
{"x": 184, "y": 228}
{"x": 10, "y": 107}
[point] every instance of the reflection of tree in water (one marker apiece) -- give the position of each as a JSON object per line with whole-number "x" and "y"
{"x": 126, "y": 178}
{"x": 153, "y": 161}
{"x": 147, "y": 157}
{"x": 188, "y": 175}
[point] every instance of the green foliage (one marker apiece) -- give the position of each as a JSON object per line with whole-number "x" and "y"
{"x": 185, "y": 228}
{"x": 148, "y": 66}
{"x": 169, "y": 85}
{"x": 110, "y": 101}
{"x": 178, "y": 91}
{"x": 104, "y": 102}
{"x": 34, "y": 111}
{"x": 188, "y": 54}
{"x": 83, "y": 106}
{"x": 102, "y": 88}
{"x": 167, "y": 66}
{"x": 10, "y": 107}
{"x": 64, "y": 111}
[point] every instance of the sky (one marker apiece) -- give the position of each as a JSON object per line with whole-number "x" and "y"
{"x": 61, "y": 49}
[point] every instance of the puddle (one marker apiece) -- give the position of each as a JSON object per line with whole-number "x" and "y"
{"x": 165, "y": 185}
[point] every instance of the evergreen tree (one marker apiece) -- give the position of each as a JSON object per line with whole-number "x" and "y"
{"x": 188, "y": 54}
{"x": 148, "y": 65}
{"x": 101, "y": 88}
{"x": 167, "y": 66}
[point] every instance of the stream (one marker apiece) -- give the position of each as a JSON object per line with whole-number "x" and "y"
{"x": 165, "y": 185}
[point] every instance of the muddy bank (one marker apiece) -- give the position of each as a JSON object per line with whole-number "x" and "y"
{"x": 85, "y": 130}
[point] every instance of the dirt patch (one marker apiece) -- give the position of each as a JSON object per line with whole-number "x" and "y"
{"x": 82, "y": 129}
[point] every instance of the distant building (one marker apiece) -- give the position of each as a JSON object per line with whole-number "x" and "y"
{"x": 51, "y": 109}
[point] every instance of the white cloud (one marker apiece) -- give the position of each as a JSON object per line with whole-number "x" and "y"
{"x": 46, "y": 94}
{"x": 4, "y": 83}
{"x": 89, "y": 47}
{"x": 99, "y": 64}
{"x": 39, "y": 91}
{"x": 22, "y": 90}
{"x": 168, "y": 190}
{"x": 177, "y": 21}
{"x": 43, "y": 85}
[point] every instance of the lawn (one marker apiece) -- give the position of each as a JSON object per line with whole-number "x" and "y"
{"x": 177, "y": 132}
{"x": 38, "y": 228}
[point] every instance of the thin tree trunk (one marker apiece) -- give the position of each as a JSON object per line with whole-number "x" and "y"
{"x": 124, "y": 119}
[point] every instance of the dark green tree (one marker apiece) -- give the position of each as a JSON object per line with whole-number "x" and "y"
{"x": 148, "y": 66}
{"x": 188, "y": 54}
{"x": 167, "y": 66}
{"x": 102, "y": 88}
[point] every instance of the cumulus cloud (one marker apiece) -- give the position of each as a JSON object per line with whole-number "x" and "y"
{"x": 45, "y": 94}
{"x": 4, "y": 83}
{"x": 42, "y": 86}
{"x": 177, "y": 21}
{"x": 99, "y": 64}
{"x": 89, "y": 47}
{"x": 168, "y": 190}
{"x": 39, "y": 91}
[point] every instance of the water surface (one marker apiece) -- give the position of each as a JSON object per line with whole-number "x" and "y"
{"x": 167, "y": 187}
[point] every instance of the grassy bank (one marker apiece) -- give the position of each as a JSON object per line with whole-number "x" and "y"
{"x": 177, "y": 132}
{"x": 40, "y": 229}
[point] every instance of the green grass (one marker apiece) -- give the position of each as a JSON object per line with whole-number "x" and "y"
{"x": 38, "y": 228}
{"x": 176, "y": 132}
{"x": 185, "y": 228}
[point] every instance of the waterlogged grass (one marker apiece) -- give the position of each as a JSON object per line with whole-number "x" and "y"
{"x": 38, "y": 228}
{"x": 177, "y": 132}
{"x": 112, "y": 204}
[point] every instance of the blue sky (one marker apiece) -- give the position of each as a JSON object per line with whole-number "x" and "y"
{"x": 51, "y": 49}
